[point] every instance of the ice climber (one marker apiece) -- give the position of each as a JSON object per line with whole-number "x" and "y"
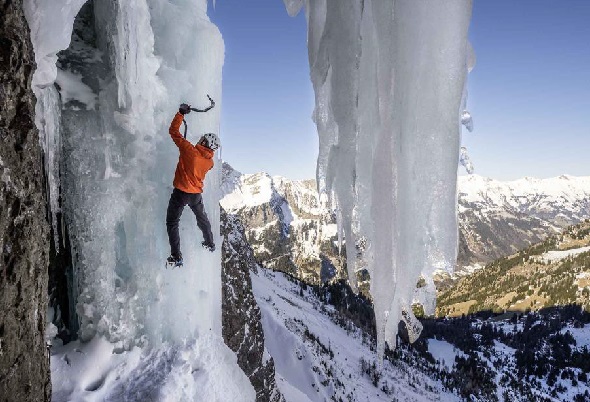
{"x": 193, "y": 164}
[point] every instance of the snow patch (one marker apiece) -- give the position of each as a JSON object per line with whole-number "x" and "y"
{"x": 73, "y": 89}
{"x": 581, "y": 336}
{"x": 444, "y": 352}
{"x": 558, "y": 255}
{"x": 204, "y": 369}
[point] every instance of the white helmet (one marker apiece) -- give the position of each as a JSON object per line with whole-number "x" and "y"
{"x": 212, "y": 141}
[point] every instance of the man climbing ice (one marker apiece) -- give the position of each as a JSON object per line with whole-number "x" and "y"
{"x": 193, "y": 164}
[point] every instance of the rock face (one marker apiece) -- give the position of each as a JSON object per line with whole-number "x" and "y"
{"x": 499, "y": 218}
{"x": 242, "y": 328}
{"x": 286, "y": 223}
{"x": 24, "y": 361}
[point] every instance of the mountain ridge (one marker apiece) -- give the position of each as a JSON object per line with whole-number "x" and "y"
{"x": 292, "y": 229}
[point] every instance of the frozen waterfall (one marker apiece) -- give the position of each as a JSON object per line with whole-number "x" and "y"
{"x": 117, "y": 160}
{"x": 389, "y": 79}
{"x": 123, "y": 70}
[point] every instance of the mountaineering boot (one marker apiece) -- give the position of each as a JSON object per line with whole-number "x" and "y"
{"x": 174, "y": 261}
{"x": 208, "y": 246}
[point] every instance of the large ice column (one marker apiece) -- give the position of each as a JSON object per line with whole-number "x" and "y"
{"x": 389, "y": 78}
{"x": 154, "y": 71}
{"x": 118, "y": 160}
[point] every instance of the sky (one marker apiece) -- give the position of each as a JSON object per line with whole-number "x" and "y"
{"x": 268, "y": 98}
{"x": 529, "y": 93}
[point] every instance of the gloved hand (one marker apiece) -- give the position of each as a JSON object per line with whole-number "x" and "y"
{"x": 211, "y": 100}
{"x": 184, "y": 109}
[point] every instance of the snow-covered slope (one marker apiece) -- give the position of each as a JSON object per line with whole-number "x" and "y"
{"x": 321, "y": 340}
{"x": 321, "y": 355}
{"x": 198, "y": 369}
{"x": 318, "y": 360}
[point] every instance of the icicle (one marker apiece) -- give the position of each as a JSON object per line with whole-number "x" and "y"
{"x": 340, "y": 229}
{"x": 389, "y": 79}
{"x": 467, "y": 120}
{"x": 293, "y": 6}
{"x": 465, "y": 161}
{"x": 43, "y": 17}
{"x": 48, "y": 119}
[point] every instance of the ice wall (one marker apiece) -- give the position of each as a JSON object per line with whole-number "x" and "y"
{"x": 128, "y": 67}
{"x": 389, "y": 80}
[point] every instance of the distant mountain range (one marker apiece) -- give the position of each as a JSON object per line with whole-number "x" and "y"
{"x": 291, "y": 231}
{"x": 498, "y": 218}
{"x": 285, "y": 224}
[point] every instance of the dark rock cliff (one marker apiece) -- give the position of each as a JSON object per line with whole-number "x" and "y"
{"x": 241, "y": 319}
{"x": 24, "y": 363}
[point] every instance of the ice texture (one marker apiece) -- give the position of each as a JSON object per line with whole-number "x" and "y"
{"x": 467, "y": 120}
{"x": 465, "y": 161}
{"x": 48, "y": 121}
{"x": 389, "y": 80}
{"x": 106, "y": 142}
{"x": 51, "y": 30}
{"x": 51, "y": 24}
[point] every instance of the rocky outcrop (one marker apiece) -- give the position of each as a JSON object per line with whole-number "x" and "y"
{"x": 241, "y": 318}
{"x": 497, "y": 218}
{"x": 286, "y": 224}
{"x": 488, "y": 235}
{"x": 24, "y": 361}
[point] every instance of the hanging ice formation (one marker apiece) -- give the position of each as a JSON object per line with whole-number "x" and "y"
{"x": 466, "y": 119}
{"x": 465, "y": 161}
{"x": 389, "y": 79}
{"x": 104, "y": 131}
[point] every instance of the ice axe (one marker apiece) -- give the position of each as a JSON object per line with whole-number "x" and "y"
{"x": 186, "y": 109}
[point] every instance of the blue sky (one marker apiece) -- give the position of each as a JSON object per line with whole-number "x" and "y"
{"x": 267, "y": 94}
{"x": 529, "y": 93}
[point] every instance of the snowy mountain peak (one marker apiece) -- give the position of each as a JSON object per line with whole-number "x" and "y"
{"x": 255, "y": 189}
{"x": 564, "y": 190}
{"x": 287, "y": 226}
{"x": 496, "y": 217}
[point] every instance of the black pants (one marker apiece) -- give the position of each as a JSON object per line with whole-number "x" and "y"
{"x": 177, "y": 202}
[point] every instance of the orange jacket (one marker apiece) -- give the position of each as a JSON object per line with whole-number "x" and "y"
{"x": 194, "y": 161}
